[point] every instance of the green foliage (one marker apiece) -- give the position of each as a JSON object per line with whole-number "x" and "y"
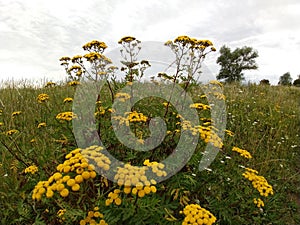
{"x": 297, "y": 82}
{"x": 263, "y": 120}
{"x": 234, "y": 63}
{"x": 285, "y": 79}
{"x": 264, "y": 82}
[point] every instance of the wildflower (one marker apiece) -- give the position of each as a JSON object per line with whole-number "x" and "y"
{"x": 75, "y": 68}
{"x": 63, "y": 181}
{"x": 76, "y": 58}
{"x": 200, "y": 106}
{"x": 113, "y": 197}
{"x": 92, "y": 56}
{"x": 126, "y": 39}
{"x": 215, "y": 82}
{"x": 65, "y": 58}
{"x": 43, "y": 124}
{"x": 16, "y": 113}
{"x": 229, "y": 132}
{"x": 136, "y": 117}
{"x": 31, "y": 169}
{"x": 11, "y": 132}
{"x": 243, "y": 153}
{"x": 64, "y": 192}
{"x": 258, "y": 182}
{"x": 42, "y": 98}
{"x": 68, "y": 116}
{"x": 50, "y": 84}
{"x": 1, "y": 124}
{"x": 68, "y": 100}
{"x": 93, "y": 215}
{"x": 95, "y": 46}
{"x": 122, "y": 96}
{"x": 73, "y": 83}
{"x": 195, "y": 214}
{"x": 258, "y": 202}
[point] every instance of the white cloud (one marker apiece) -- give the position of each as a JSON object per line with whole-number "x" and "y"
{"x": 35, "y": 34}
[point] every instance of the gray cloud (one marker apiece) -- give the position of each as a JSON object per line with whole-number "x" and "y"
{"x": 35, "y": 34}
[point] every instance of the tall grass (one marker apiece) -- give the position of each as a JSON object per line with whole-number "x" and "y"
{"x": 265, "y": 121}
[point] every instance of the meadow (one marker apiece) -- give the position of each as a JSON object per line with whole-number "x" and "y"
{"x": 49, "y": 177}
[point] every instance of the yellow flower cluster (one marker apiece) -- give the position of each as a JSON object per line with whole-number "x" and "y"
{"x": 73, "y": 83}
{"x": 60, "y": 215}
{"x": 50, "y": 84}
{"x": 92, "y": 56}
{"x": 113, "y": 197}
{"x": 76, "y": 58}
{"x": 42, "y": 98}
{"x": 31, "y": 169}
{"x": 215, "y": 82}
{"x": 68, "y": 100}
{"x": 156, "y": 168}
{"x": 100, "y": 111}
{"x": 74, "y": 67}
{"x": 94, "y": 153}
{"x": 126, "y": 39}
{"x": 69, "y": 175}
{"x": 68, "y": 116}
{"x": 11, "y": 132}
{"x": 65, "y": 58}
{"x": 122, "y": 96}
{"x": 243, "y": 153}
{"x": 92, "y": 217}
{"x": 208, "y": 135}
{"x": 258, "y": 182}
{"x": 135, "y": 181}
{"x": 43, "y": 124}
{"x": 1, "y": 124}
{"x": 258, "y": 202}
{"x": 200, "y": 106}
{"x": 195, "y": 214}
{"x": 229, "y": 132}
{"x": 131, "y": 117}
{"x": 16, "y": 113}
{"x": 95, "y": 45}
{"x": 193, "y": 42}
{"x": 136, "y": 117}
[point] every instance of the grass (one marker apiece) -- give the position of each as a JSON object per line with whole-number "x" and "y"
{"x": 265, "y": 121}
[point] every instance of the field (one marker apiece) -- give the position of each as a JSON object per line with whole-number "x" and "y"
{"x": 264, "y": 120}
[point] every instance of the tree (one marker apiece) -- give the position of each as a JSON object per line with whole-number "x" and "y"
{"x": 297, "y": 82}
{"x": 264, "y": 82}
{"x": 285, "y": 79}
{"x": 234, "y": 63}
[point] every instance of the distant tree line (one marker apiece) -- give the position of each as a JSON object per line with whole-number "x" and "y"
{"x": 233, "y": 63}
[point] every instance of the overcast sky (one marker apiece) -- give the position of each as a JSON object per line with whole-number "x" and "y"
{"x": 34, "y": 34}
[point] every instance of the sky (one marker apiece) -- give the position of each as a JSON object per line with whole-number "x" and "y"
{"x": 35, "y": 34}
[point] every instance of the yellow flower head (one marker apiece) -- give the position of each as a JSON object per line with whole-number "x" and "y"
{"x": 126, "y": 39}
{"x": 195, "y": 214}
{"x": 11, "y": 132}
{"x": 42, "y": 125}
{"x": 31, "y": 169}
{"x": 242, "y": 152}
{"x": 67, "y": 116}
{"x": 73, "y": 83}
{"x": 16, "y": 113}
{"x": 50, "y": 84}
{"x": 42, "y": 98}
{"x": 95, "y": 46}
{"x": 68, "y": 100}
{"x": 65, "y": 58}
